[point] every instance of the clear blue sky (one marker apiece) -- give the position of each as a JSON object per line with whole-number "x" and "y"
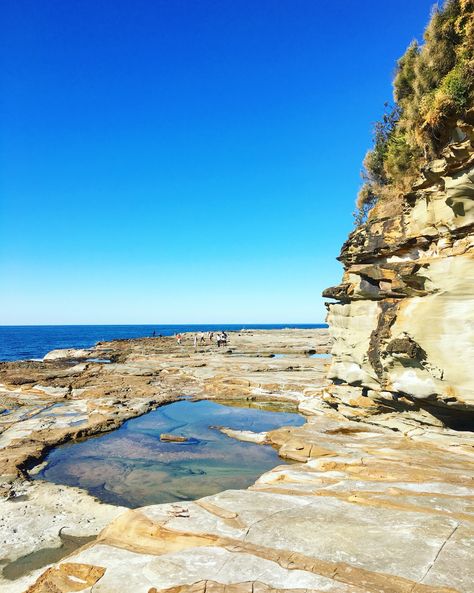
{"x": 176, "y": 161}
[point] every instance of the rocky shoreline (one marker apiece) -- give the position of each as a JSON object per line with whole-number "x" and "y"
{"x": 67, "y": 398}
{"x": 374, "y": 502}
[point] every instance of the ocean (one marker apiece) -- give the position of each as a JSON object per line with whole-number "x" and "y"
{"x": 25, "y": 342}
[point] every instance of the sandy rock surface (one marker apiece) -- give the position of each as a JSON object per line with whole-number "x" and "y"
{"x": 375, "y": 499}
{"x": 368, "y": 511}
{"x": 40, "y": 522}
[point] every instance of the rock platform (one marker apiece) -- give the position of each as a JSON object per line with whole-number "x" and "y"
{"x": 372, "y": 500}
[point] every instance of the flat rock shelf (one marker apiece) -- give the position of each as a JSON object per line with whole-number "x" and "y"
{"x": 133, "y": 467}
{"x": 378, "y": 501}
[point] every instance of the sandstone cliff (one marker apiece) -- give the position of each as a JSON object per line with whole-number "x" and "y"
{"x": 403, "y": 320}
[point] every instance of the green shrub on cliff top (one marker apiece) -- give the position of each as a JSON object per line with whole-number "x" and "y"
{"x": 433, "y": 87}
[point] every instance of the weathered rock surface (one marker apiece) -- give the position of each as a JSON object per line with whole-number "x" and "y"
{"x": 261, "y": 438}
{"x": 369, "y": 511}
{"x": 404, "y": 321}
{"x": 377, "y": 499}
{"x": 49, "y": 403}
{"x": 70, "y": 353}
{"x": 40, "y": 523}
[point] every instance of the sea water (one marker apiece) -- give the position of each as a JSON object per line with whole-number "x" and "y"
{"x": 34, "y": 341}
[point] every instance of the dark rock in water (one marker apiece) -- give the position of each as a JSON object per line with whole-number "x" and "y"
{"x": 173, "y": 438}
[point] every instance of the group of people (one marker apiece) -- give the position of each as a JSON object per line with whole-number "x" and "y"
{"x": 201, "y": 338}
{"x": 220, "y": 338}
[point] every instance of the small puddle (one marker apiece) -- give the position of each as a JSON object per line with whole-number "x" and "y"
{"x": 103, "y": 360}
{"x": 132, "y": 467}
{"x": 53, "y": 410}
{"x": 324, "y": 355}
{"x": 8, "y": 408}
{"x": 61, "y": 411}
{"x": 26, "y": 564}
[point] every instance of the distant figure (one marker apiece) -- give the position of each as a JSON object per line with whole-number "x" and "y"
{"x": 178, "y": 339}
{"x": 195, "y": 341}
{"x": 221, "y": 339}
{"x": 154, "y": 333}
{"x": 211, "y": 337}
{"x": 202, "y": 339}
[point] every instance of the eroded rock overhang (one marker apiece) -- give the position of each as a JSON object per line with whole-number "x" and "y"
{"x": 403, "y": 320}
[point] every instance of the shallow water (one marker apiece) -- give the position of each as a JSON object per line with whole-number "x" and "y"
{"x": 132, "y": 467}
{"x": 103, "y": 360}
{"x": 43, "y": 557}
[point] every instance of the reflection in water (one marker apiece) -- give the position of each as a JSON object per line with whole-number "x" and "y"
{"x": 132, "y": 467}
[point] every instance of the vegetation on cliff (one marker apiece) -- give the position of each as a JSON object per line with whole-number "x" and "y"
{"x": 433, "y": 87}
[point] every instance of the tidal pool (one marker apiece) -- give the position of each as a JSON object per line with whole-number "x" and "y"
{"x": 132, "y": 467}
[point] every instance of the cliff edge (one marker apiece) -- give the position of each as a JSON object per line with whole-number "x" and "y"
{"x": 403, "y": 320}
{"x": 403, "y": 316}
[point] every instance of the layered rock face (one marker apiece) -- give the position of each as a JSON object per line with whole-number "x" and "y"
{"x": 403, "y": 323}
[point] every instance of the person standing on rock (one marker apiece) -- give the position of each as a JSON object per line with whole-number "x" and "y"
{"x": 195, "y": 341}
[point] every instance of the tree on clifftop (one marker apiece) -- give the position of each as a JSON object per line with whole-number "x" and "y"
{"x": 433, "y": 87}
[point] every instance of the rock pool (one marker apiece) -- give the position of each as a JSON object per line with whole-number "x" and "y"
{"x": 132, "y": 467}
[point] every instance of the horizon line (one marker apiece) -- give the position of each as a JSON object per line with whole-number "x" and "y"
{"x": 158, "y": 324}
